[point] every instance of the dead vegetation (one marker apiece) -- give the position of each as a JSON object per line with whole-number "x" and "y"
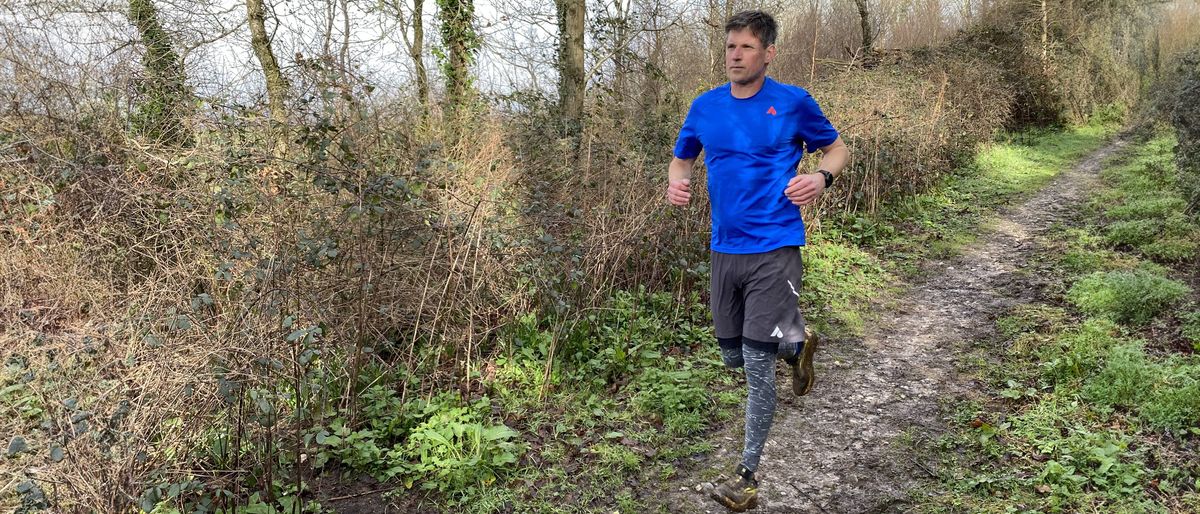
{"x": 163, "y": 308}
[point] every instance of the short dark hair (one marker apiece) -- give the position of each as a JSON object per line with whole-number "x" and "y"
{"x": 761, "y": 24}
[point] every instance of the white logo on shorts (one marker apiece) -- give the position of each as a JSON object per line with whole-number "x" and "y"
{"x": 793, "y": 289}
{"x": 777, "y": 332}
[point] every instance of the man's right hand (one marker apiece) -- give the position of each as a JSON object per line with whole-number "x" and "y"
{"x": 679, "y": 192}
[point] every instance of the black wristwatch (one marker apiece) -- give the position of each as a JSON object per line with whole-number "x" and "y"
{"x": 828, "y": 177}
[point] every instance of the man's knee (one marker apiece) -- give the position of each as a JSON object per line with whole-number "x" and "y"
{"x": 761, "y": 348}
{"x": 731, "y": 352}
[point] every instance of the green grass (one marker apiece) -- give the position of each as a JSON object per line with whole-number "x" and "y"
{"x": 1091, "y": 413}
{"x": 1133, "y": 297}
{"x": 1144, "y": 206}
{"x": 1149, "y": 207}
{"x": 840, "y": 278}
{"x": 1190, "y": 328}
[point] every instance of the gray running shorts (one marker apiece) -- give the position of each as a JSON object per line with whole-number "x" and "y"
{"x": 757, "y": 295}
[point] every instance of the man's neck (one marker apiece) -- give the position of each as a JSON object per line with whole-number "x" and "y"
{"x": 744, "y": 91}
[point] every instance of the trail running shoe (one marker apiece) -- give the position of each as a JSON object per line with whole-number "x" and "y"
{"x": 739, "y": 493}
{"x": 802, "y": 368}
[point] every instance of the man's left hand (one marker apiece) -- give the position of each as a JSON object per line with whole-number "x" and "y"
{"x": 804, "y": 189}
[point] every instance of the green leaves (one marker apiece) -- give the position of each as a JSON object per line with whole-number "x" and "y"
{"x": 440, "y": 443}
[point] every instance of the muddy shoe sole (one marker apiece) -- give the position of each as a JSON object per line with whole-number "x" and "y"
{"x": 803, "y": 376}
{"x": 743, "y": 504}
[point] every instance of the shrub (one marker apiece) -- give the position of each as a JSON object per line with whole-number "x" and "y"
{"x": 678, "y": 397}
{"x": 1127, "y": 378}
{"x": 1190, "y": 328}
{"x": 1132, "y": 297}
{"x": 1146, "y": 208}
{"x": 1175, "y": 403}
{"x": 1078, "y": 352}
{"x": 1171, "y": 249}
{"x": 1186, "y": 119}
{"x": 1133, "y": 232}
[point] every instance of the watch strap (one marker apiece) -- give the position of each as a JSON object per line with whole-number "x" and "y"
{"x": 828, "y": 177}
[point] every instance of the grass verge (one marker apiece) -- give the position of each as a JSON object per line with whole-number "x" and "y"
{"x": 1093, "y": 402}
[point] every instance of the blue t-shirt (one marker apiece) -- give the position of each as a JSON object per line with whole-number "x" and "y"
{"x": 752, "y": 147}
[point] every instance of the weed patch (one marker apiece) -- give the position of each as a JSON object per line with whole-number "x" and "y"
{"x": 1190, "y": 328}
{"x": 1145, "y": 208}
{"x": 1133, "y": 232}
{"x": 1126, "y": 379}
{"x": 1126, "y": 296}
{"x": 1078, "y": 352}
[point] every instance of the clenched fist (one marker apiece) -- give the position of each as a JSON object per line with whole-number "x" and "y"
{"x": 679, "y": 192}
{"x": 803, "y": 189}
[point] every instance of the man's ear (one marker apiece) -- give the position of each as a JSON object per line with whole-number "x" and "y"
{"x": 770, "y": 53}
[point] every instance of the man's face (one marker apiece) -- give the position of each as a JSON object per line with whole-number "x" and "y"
{"x": 745, "y": 56}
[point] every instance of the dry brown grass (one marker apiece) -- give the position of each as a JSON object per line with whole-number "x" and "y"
{"x": 107, "y": 277}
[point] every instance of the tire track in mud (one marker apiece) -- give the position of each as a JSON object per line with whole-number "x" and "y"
{"x": 835, "y": 450}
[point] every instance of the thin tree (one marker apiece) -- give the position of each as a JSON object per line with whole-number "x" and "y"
{"x": 162, "y": 91}
{"x": 461, "y": 42}
{"x": 718, "y": 12}
{"x": 864, "y": 15}
{"x": 1045, "y": 39}
{"x": 277, "y": 86}
{"x": 413, "y": 17}
{"x": 572, "y": 81}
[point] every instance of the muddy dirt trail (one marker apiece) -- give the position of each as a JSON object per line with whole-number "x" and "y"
{"x": 836, "y": 450}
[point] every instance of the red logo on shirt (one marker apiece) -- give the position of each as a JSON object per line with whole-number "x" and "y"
{"x": 771, "y": 111}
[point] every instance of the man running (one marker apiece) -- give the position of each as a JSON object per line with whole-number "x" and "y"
{"x": 754, "y": 132}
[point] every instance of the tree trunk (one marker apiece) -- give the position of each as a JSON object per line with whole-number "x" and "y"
{"x": 344, "y": 57}
{"x": 162, "y": 104}
{"x": 460, "y": 40}
{"x": 277, "y": 87}
{"x": 415, "y": 50}
{"x": 864, "y": 16}
{"x": 621, "y": 53}
{"x": 652, "y": 95}
{"x": 414, "y": 46}
{"x": 1045, "y": 39}
{"x": 571, "y": 82}
{"x": 716, "y": 40}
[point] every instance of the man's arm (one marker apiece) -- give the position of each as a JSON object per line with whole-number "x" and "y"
{"x": 679, "y": 178}
{"x": 804, "y": 189}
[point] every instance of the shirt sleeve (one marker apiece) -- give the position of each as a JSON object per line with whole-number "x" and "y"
{"x": 815, "y": 129}
{"x": 688, "y": 146}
